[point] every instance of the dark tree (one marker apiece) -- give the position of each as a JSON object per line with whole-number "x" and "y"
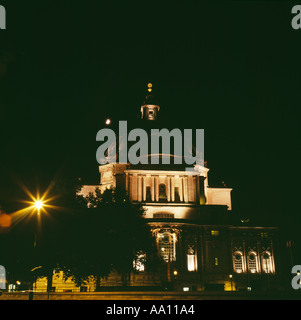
{"x": 83, "y": 237}
{"x": 110, "y": 236}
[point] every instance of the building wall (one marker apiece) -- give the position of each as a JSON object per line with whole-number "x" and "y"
{"x": 204, "y": 252}
{"x": 145, "y": 185}
{"x": 213, "y": 248}
{"x": 219, "y": 196}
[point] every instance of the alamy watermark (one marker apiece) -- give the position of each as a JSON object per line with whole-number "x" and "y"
{"x": 296, "y": 21}
{"x": 296, "y": 281}
{"x": 188, "y": 146}
{"x": 2, "y": 17}
{"x": 2, "y": 278}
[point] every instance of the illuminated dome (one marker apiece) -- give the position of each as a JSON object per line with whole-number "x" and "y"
{"x": 152, "y": 147}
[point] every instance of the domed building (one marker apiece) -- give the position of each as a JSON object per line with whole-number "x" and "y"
{"x": 191, "y": 223}
{"x": 201, "y": 247}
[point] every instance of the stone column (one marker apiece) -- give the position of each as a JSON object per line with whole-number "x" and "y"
{"x": 172, "y": 189}
{"x": 197, "y": 189}
{"x": 168, "y": 188}
{"x": 134, "y": 187}
{"x": 185, "y": 189}
{"x": 139, "y": 188}
{"x": 153, "y": 188}
{"x": 156, "y": 188}
{"x": 127, "y": 183}
{"x": 191, "y": 189}
{"x": 181, "y": 188}
{"x": 144, "y": 188}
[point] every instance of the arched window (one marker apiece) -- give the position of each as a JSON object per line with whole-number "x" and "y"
{"x": 238, "y": 262}
{"x": 162, "y": 193}
{"x": 252, "y": 262}
{"x": 177, "y": 194}
{"x": 167, "y": 246}
{"x": 192, "y": 264}
{"x": 266, "y": 262}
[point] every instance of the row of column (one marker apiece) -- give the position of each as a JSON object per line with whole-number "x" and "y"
{"x": 188, "y": 187}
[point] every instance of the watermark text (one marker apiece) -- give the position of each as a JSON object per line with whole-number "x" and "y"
{"x": 2, "y": 17}
{"x": 134, "y": 146}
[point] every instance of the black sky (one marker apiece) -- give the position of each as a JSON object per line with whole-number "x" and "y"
{"x": 232, "y": 68}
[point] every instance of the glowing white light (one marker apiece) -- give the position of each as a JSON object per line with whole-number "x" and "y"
{"x": 38, "y": 204}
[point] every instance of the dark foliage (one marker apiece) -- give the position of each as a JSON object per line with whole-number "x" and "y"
{"x": 84, "y": 237}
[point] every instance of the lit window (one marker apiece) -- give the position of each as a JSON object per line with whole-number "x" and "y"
{"x": 191, "y": 260}
{"x": 214, "y": 232}
{"x": 186, "y": 289}
{"x": 216, "y": 261}
{"x": 11, "y": 287}
{"x": 266, "y": 262}
{"x": 166, "y": 246}
{"x": 238, "y": 262}
{"x": 162, "y": 193}
{"x": 252, "y": 262}
{"x": 264, "y": 235}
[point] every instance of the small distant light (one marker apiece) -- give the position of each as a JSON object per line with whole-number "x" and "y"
{"x": 175, "y": 272}
{"x": 186, "y": 289}
{"x": 249, "y": 288}
{"x": 18, "y": 283}
{"x": 230, "y": 275}
{"x": 162, "y": 249}
{"x": 108, "y": 122}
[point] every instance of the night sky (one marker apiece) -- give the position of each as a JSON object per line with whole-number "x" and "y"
{"x": 231, "y": 68}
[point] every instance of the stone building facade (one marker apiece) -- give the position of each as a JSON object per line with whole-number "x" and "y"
{"x": 201, "y": 247}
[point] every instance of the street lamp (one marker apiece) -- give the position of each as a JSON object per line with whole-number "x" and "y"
{"x": 230, "y": 276}
{"x": 38, "y": 204}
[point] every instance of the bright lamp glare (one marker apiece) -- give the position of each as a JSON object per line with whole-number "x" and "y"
{"x": 38, "y": 204}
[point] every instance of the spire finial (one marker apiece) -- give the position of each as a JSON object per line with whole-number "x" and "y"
{"x": 150, "y": 87}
